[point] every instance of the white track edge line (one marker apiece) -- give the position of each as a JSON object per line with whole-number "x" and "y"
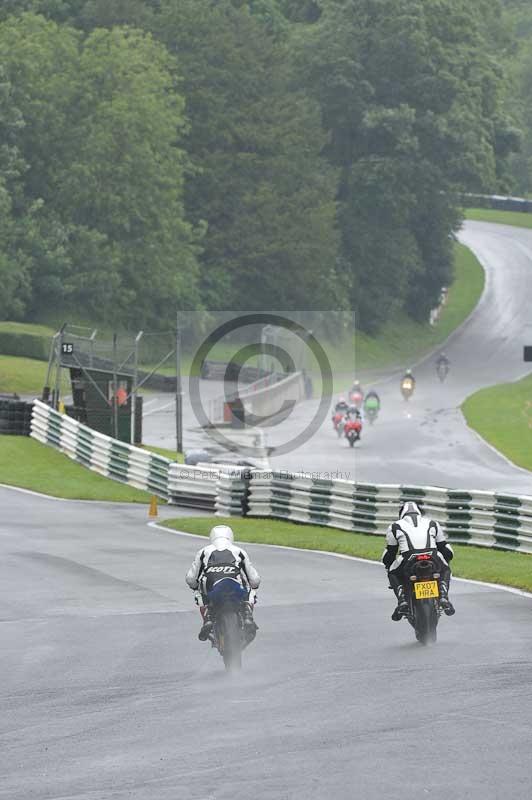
{"x": 501, "y": 586}
{"x": 112, "y": 503}
{"x": 30, "y": 492}
{"x": 172, "y": 531}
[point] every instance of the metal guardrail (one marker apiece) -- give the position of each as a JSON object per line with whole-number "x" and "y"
{"x": 262, "y": 398}
{"x": 222, "y": 370}
{"x": 486, "y": 519}
{"x": 195, "y": 487}
{"x": 203, "y": 487}
{"x": 498, "y": 202}
{"x": 100, "y": 453}
{"x": 217, "y": 489}
{"x": 219, "y": 407}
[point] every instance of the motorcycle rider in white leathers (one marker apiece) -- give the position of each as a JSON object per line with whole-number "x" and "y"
{"x": 443, "y": 360}
{"x": 410, "y": 533}
{"x": 222, "y": 557}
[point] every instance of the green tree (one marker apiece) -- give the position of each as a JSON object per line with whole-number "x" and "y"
{"x": 126, "y": 176}
{"x": 411, "y": 96}
{"x": 517, "y": 23}
{"x": 14, "y": 276}
{"x": 259, "y": 181}
{"x": 58, "y": 10}
{"x": 108, "y": 13}
{"x": 300, "y": 10}
{"x": 105, "y": 180}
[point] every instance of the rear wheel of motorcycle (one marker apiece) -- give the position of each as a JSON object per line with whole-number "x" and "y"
{"x": 232, "y": 639}
{"x": 426, "y": 621}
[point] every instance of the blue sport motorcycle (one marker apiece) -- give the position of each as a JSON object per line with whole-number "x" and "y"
{"x": 226, "y": 599}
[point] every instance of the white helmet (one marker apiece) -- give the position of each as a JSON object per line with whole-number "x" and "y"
{"x": 221, "y": 532}
{"x": 409, "y": 509}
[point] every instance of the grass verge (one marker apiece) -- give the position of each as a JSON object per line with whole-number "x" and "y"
{"x": 27, "y": 328}
{"x": 519, "y": 219}
{"x": 22, "y": 375}
{"x": 511, "y": 402}
{"x": 31, "y": 465}
{"x": 510, "y": 569}
{"x": 404, "y": 340}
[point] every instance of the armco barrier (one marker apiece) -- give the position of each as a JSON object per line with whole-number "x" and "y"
{"x": 263, "y": 398}
{"x": 100, "y": 453}
{"x": 217, "y": 489}
{"x": 498, "y": 202}
{"x": 195, "y": 487}
{"x": 204, "y": 487}
{"x": 486, "y": 519}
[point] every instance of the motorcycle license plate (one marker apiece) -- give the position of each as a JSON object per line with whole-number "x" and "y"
{"x": 426, "y": 589}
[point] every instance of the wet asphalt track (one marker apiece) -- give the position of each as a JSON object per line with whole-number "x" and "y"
{"x": 425, "y": 441}
{"x": 106, "y": 693}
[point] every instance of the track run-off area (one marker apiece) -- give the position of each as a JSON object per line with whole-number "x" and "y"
{"x": 107, "y": 694}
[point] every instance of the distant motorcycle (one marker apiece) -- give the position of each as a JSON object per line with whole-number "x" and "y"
{"x": 407, "y": 387}
{"x": 228, "y": 633}
{"x": 356, "y": 397}
{"x": 352, "y": 431}
{"x": 371, "y": 407}
{"x": 422, "y": 593}
{"x": 338, "y": 422}
{"x": 442, "y": 369}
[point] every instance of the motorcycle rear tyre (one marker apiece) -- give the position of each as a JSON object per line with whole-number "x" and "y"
{"x": 232, "y": 641}
{"x": 426, "y": 621}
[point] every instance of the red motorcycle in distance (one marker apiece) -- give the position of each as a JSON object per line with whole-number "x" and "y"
{"x": 353, "y": 431}
{"x": 338, "y": 422}
{"x": 356, "y": 397}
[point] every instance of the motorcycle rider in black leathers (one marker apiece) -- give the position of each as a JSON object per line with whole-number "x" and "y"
{"x": 341, "y": 405}
{"x": 218, "y": 560}
{"x": 410, "y": 533}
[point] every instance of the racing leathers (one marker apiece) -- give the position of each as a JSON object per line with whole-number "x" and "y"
{"x": 218, "y": 560}
{"x": 341, "y": 406}
{"x": 413, "y": 532}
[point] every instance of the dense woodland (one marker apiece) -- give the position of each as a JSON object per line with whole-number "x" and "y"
{"x": 251, "y": 154}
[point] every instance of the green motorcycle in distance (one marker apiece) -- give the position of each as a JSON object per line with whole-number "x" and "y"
{"x": 372, "y": 406}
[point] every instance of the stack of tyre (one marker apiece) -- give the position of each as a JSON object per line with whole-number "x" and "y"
{"x": 15, "y": 416}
